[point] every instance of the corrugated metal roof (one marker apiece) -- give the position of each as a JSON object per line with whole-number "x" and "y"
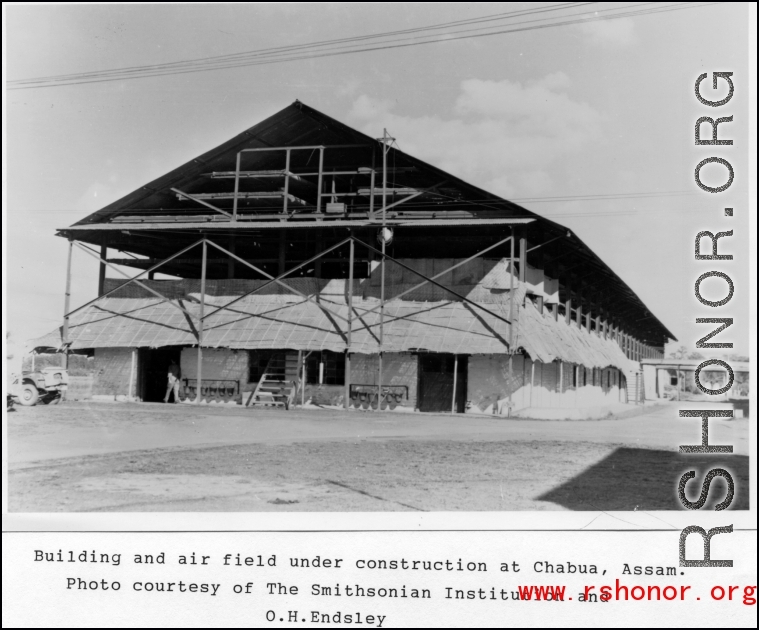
{"x": 50, "y": 340}
{"x": 303, "y": 126}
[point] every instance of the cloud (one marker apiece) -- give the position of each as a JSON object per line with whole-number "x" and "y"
{"x": 619, "y": 32}
{"x": 504, "y": 136}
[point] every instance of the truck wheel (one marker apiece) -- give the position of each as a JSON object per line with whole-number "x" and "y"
{"x": 29, "y": 395}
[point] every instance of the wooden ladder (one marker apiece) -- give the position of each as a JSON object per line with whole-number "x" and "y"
{"x": 278, "y": 383}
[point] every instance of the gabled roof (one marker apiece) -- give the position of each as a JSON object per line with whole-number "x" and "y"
{"x": 154, "y": 218}
{"x": 300, "y": 125}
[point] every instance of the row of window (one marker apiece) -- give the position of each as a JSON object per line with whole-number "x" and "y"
{"x": 594, "y": 376}
{"x": 328, "y": 368}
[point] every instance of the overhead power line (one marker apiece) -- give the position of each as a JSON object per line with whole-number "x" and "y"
{"x": 284, "y": 49}
{"x": 309, "y": 51}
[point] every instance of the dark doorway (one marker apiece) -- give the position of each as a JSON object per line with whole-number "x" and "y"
{"x": 436, "y": 382}
{"x": 154, "y": 370}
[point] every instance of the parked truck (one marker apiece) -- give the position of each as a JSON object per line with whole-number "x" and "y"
{"x": 45, "y": 386}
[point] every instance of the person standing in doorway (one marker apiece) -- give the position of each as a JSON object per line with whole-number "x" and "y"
{"x": 173, "y": 384}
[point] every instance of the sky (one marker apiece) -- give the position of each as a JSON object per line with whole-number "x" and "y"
{"x": 593, "y": 109}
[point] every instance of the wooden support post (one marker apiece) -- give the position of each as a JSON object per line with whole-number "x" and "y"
{"x": 371, "y": 187}
{"x": 237, "y": 187}
{"x": 599, "y": 332}
{"x": 350, "y": 325}
{"x": 67, "y": 307}
{"x": 319, "y": 181}
{"x": 200, "y": 321}
{"x": 511, "y": 319}
{"x": 285, "y": 197}
{"x": 568, "y": 306}
{"x": 455, "y": 374}
{"x": 132, "y": 373}
{"x": 101, "y": 275}
{"x": 382, "y": 270}
{"x": 522, "y": 259}
{"x": 555, "y": 311}
{"x": 282, "y": 252}
{"x": 303, "y": 380}
{"x": 561, "y": 377}
{"x": 579, "y": 306}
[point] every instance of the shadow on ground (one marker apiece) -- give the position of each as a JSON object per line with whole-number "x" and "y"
{"x": 646, "y": 479}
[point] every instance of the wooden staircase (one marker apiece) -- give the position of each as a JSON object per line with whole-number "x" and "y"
{"x": 279, "y": 383}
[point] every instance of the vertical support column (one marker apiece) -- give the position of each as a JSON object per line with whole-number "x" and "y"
{"x": 371, "y": 193}
{"x": 455, "y": 375}
{"x": 599, "y": 331}
{"x": 555, "y": 311}
{"x": 561, "y": 377}
{"x": 319, "y": 181}
{"x": 200, "y": 321}
{"x": 382, "y": 271}
{"x": 579, "y": 305}
{"x": 101, "y": 274}
{"x": 285, "y": 199}
{"x": 67, "y": 307}
{"x": 282, "y": 252}
{"x": 303, "y": 380}
{"x": 237, "y": 187}
{"x": 522, "y": 259}
{"x": 568, "y": 306}
{"x": 132, "y": 374}
{"x": 512, "y": 323}
{"x": 347, "y": 392}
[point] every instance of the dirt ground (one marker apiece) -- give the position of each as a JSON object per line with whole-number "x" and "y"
{"x": 140, "y": 457}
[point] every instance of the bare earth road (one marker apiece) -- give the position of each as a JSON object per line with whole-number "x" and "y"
{"x": 145, "y": 457}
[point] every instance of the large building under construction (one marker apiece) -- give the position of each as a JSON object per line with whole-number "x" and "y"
{"x": 310, "y": 262}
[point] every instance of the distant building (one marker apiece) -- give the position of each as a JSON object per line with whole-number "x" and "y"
{"x": 460, "y": 317}
{"x": 673, "y": 379}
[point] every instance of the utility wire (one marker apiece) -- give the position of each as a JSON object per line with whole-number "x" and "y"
{"x": 108, "y": 76}
{"x": 283, "y": 49}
